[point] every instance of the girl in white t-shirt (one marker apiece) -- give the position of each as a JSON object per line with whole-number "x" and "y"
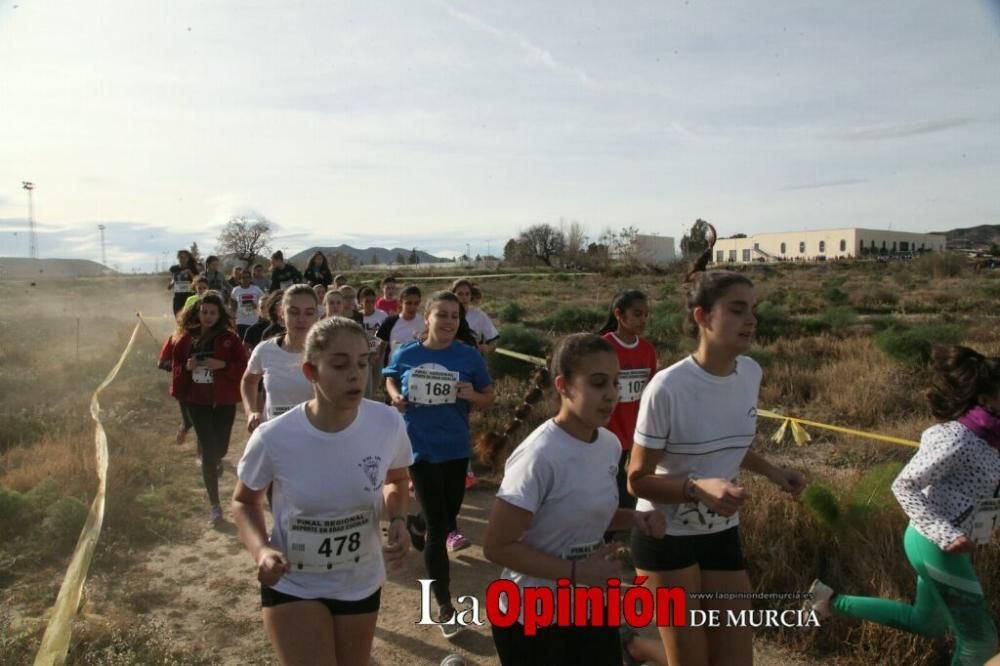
{"x": 558, "y": 497}
{"x": 337, "y": 464}
{"x": 480, "y": 324}
{"x": 372, "y": 319}
{"x": 278, "y": 362}
{"x": 696, "y": 422}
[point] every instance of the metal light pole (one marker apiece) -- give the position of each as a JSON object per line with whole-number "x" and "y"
{"x": 104, "y": 256}
{"x": 32, "y": 238}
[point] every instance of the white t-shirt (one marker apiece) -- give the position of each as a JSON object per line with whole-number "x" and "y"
{"x": 371, "y": 323}
{"x": 321, "y": 474}
{"x": 246, "y": 301}
{"x": 481, "y": 325}
{"x": 406, "y": 331}
{"x": 284, "y": 384}
{"x": 705, "y": 425}
{"x": 571, "y": 488}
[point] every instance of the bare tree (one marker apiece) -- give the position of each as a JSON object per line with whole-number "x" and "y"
{"x": 544, "y": 242}
{"x": 246, "y": 238}
{"x": 576, "y": 240}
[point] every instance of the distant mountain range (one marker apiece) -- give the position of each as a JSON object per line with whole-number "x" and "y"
{"x": 367, "y": 256}
{"x": 975, "y": 238}
{"x": 21, "y": 268}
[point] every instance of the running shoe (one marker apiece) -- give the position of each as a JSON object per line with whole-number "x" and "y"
{"x": 456, "y": 541}
{"x": 214, "y": 515}
{"x": 182, "y": 434}
{"x": 470, "y": 479}
{"x": 417, "y": 528}
{"x": 453, "y": 660}
{"x": 448, "y": 621}
{"x": 820, "y": 595}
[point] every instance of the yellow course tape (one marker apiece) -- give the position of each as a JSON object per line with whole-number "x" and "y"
{"x": 799, "y": 433}
{"x": 801, "y": 436}
{"x": 55, "y": 642}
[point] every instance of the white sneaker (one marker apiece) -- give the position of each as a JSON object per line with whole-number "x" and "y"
{"x": 821, "y": 594}
{"x": 214, "y": 515}
{"x": 449, "y": 624}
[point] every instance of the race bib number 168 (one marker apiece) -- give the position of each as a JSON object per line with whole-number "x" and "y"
{"x": 432, "y": 387}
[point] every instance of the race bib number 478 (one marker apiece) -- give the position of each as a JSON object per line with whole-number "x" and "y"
{"x": 433, "y": 387}
{"x": 323, "y": 544}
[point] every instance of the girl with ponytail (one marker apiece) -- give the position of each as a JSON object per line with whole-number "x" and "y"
{"x": 697, "y": 420}
{"x": 951, "y": 492}
{"x": 637, "y": 359}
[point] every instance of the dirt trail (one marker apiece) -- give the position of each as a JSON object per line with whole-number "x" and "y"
{"x": 205, "y": 595}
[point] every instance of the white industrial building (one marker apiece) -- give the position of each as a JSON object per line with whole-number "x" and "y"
{"x": 654, "y": 250}
{"x": 825, "y": 244}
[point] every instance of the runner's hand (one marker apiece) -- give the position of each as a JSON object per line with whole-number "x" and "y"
{"x": 213, "y": 364}
{"x": 960, "y": 545}
{"x": 599, "y": 567}
{"x": 192, "y": 363}
{"x": 651, "y": 523}
{"x": 721, "y": 496}
{"x": 465, "y": 391}
{"x": 253, "y": 420}
{"x": 271, "y": 566}
{"x": 789, "y": 480}
{"x": 399, "y": 402}
{"x": 397, "y": 544}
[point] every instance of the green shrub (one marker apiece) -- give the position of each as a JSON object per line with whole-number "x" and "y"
{"x": 823, "y": 505}
{"x": 839, "y": 318}
{"x": 14, "y": 508}
{"x": 940, "y": 264}
{"x": 834, "y": 295}
{"x": 764, "y": 357}
{"x": 912, "y": 346}
{"x": 774, "y": 321}
{"x": 519, "y": 339}
{"x": 511, "y": 313}
{"x": 575, "y": 319}
{"x": 43, "y": 495}
{"x": 63, "y": 521}
{"x": 664, "y": 328}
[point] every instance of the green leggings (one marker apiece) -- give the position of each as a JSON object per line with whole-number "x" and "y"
{"x": 948, "y": 597}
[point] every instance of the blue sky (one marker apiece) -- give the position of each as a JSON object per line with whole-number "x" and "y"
{"x": 441, "y": 124}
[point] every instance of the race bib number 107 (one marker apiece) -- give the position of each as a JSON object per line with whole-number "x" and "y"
{"x": 631, "y": 383}
{"x": 433, "y": 387}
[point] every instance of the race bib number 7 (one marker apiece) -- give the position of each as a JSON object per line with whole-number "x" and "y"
{"x": 322, "y": 544}
{"x": 433, "y": 387}
{"x": 986, "y": 520}
{"x": 631, "y": 383}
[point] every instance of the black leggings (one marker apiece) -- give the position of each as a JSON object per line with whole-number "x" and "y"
{"x": 440, "y": 489}
{"x": 214, "y": 426}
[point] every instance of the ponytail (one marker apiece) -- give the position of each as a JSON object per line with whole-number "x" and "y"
{"x": 701, "y": 263}
{"x": 491, "y": 447}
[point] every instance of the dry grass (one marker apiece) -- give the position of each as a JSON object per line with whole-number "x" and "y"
{"x": 46, "y": 436}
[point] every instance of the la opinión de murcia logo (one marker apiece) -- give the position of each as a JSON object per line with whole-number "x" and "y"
{"x": 635, "y": 605}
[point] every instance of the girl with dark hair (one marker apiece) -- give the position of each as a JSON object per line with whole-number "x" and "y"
{"x": 558, "y": 497}
{"x": 637, "y": 360}
{"x": 696, "y": 422}
{"x": 435, "y": 382}
{"x": 950, "y": 490}
{"x": 182, "y": 276}
{"x": 268, "y": 316}
{"x": 337, "y": 464}
{"x": 318, "y": 271}
{"x": 207, "y": 363}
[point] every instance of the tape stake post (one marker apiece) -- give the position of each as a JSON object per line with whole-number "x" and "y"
{"x": 55, "y": 642}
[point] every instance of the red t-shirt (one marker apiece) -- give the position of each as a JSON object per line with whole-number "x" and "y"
{"x": 638, "y": 365}
{"x": 388, "y": 306}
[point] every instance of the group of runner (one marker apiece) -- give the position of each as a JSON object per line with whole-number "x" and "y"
{"x": 675, "y": 439}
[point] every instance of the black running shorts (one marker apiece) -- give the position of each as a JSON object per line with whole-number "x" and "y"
{"x": 718, "y": 551}
{"x": 270, "y": 597}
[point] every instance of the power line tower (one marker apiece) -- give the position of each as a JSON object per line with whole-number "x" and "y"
{"x": 32, "y": 237}
{"x": 104, "y": 255}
